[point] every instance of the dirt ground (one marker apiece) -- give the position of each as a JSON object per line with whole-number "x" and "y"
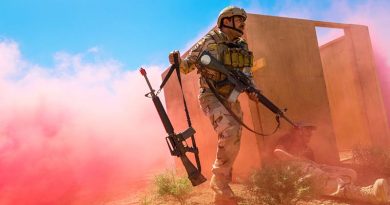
{"x": 202, "y": 195}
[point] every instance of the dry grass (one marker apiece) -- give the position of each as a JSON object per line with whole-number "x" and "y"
{"x": 373, "y": 158}
{"x": 280, "y": 184}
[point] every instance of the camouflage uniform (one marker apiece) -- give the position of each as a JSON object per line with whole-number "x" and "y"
{"x": 234, "y": 55}
{"x": 339, "y": 182}
{"x": 331, "y": 180}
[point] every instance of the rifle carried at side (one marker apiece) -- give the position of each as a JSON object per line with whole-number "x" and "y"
{"x": 177, "y": 142}
{"x": 241, "y": 83}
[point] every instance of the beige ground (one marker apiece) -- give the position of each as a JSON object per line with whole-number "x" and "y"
{"x": 202, "y": 195}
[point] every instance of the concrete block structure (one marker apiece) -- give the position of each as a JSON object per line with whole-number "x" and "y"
{"x": 334, "y": 86}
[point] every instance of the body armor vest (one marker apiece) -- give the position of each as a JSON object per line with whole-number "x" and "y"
{"x": 234, "y": 55}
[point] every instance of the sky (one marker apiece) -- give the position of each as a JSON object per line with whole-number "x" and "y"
{"x": 132, "y": 32}
{"x": 75, "y": 127}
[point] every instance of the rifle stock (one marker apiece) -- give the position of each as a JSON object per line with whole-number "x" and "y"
{"x": 175, "y": 141}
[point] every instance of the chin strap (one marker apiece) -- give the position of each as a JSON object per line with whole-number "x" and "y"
{"x": 233, "y": 27}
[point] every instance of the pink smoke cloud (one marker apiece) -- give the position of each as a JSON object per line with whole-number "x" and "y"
{"x": 374, "y": 14}
{"x": 77, "y": 133}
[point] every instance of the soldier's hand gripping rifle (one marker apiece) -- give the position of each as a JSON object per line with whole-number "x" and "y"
{"x": 177, "y": 142}
{"x": 241, "y": 83}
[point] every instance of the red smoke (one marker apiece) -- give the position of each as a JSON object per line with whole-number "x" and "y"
{"x": 79, "y": 133}
{"x": 384, "y": 78}
{"x": 374, "y": 14}
{"x": 82, "y": 133}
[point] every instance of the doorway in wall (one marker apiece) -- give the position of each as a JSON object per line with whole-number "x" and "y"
{"x": 344, "y": 89}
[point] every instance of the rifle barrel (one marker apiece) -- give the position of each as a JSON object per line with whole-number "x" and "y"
{"x": 210, "y": 62}
{"x": 143, "y": 72}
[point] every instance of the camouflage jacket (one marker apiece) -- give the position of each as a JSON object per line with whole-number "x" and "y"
{"x": 233, "y": 54}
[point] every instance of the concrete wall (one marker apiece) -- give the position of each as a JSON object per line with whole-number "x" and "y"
{"x": 293, "y": 78}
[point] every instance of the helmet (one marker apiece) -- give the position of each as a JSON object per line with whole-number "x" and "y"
{"x": 229, "y": 12}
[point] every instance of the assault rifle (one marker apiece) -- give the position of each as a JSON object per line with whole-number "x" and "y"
{"x": 241, "y": 83}
{"x": 177, "y": 142}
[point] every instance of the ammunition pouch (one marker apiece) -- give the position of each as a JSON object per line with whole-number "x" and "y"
{"x": 237, "y": 58}
{"x": 234, "y": 55}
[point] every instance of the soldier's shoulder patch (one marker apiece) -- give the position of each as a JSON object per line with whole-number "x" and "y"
{"x": 196, "y": 47}
{"x": 199, "y": 45}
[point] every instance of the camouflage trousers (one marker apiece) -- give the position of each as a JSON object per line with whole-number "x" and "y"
{"x": 328, "y": 178}
{"x": 229, "y": 134}
{"x": 339, "y": 182}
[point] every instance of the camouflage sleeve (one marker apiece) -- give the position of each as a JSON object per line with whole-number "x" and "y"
{"x": 189, "y": 63}
{"x": 247, "y": 70}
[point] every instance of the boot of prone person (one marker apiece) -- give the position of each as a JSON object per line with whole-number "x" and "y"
{"x": 376, "y": 193}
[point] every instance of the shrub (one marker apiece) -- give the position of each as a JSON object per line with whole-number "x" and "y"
{"x": 372, "y": 158}
{"x": 280, "y": 184}
{"x": 170, "y": 185}
{"x": 146, "y": 200}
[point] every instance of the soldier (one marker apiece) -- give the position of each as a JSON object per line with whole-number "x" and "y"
{"x": 227, "y": 46}
{"x": 331, "y": 180}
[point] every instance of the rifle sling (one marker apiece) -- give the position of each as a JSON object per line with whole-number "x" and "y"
{"x": 171, "y": 69}
{"x": 223, "y": 102}
{"x": 194, "y": 148}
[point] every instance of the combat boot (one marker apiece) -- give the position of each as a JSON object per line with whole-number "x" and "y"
{"x": 223, "y": 194}
{"x": 224, "y": 200}
{"x": 376, "y": 193}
